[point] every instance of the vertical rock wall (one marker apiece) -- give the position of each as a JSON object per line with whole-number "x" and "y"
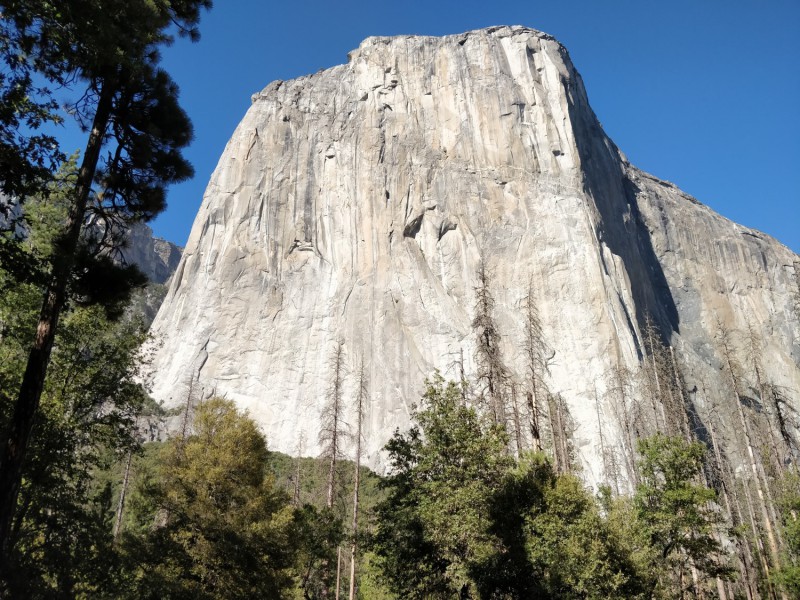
{"x": 357, "y": 203}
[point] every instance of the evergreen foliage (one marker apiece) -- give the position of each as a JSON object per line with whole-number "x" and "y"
{"x": 677, "y": 514}
{"x": 575, "y": 550}
{"x": 463, "y": 519}
{"x": 215, "y": 525}
{"x": 108, "y": 53}
{"x": 789, "y": 503}
{"x": 60, "y": 535}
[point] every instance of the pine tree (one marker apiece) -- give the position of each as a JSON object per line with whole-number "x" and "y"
{"x": 28, "y": 155}
{"x": 362, "y": 395}
{"x": 61, "y": 534}
{"x": 465, "y": 519}
{"x": 734, "y": 372}
{"x": 434, "y": 528}
{"x": 129, "y": 107}
{"x": 333, "y": 429}
{"x": 537, "y": 359}
{"x": 229, "y": 533}
{"x": 492, "y": 374}
{"x": 626, "y": 414}
{"x": 789, "y": 502}
{"x": 677, "y": 512}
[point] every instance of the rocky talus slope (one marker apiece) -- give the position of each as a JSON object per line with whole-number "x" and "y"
{"x": 356, "y": 205}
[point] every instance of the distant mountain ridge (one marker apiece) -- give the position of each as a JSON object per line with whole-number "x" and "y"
{"x": 156, "y": 257}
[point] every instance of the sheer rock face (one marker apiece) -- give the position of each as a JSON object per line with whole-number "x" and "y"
{"x": 157, "y": 258}
{"x": 356, "y": 204}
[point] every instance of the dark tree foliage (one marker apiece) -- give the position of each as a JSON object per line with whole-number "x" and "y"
{"x": 433, "y": 534}
{"x": 677, "y": 514}
{"x": 60, "y": 538}
{"x": 27, "y": 155}
{"x": 788, "y": 500}
{"x": 463, "y": 519}
{"x": 109, "y": 52}
{"x": 61, "y": 533}
{"x": 212, "y": 523}
{"x": 319, "y": 533}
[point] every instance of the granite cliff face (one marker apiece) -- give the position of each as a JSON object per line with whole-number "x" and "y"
{"x": 356, "y": 204}
{"x": 157, "y": 258}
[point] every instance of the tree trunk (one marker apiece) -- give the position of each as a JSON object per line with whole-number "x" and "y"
{"x": 332, "y": 420}
{"x": 534, "y": 349}
{"x": 683, "y": 408}
{"x": 562, "y": 447}
{"x": 357, "y": 479}
{"x": 619, "y": 379}
{"x": 296, "y": 489}
{"x": 603, "y": 454}
{"x": 757, "y": 537}
{"x": 122, "y": 494}
{"x": 762, "y": 397}
{"x": 734, "y": 512}
{"x": 517, "y": 426}
{"x": 655, "y": 386}
{"x": 338, "y": 570}
{"x": 331, "y": 481}
{"x": 551, "y": 409}
{"x": 773, "y": 545}
{"x": 534, "y": 413}
{"x": 16, "y": 443}
{"x": 721, "y": 590}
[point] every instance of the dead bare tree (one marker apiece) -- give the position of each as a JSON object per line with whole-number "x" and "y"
{"x": 537, "y": 359}
{"x": 606, "y": 452}
{"x": 733, "y": 369}
{"x": 492, "y": 373}
{"x": 122, "y": 495}
{"x": 516, "y": 419}
{"x": 683, "y": 408}
{"x": 296, "y": 478}
{"x": 772, "y": 418}
{"x": 333, "y": 429}
{"x": 788, "y": 421}
{"x": 626, "y": 414}
{"x": 562, "y": 427}
{"x": 332, "y": 439}
{"x": 652, "y": 375}
{"x": 722, "y": 480}
{"x": 362, "y": 394}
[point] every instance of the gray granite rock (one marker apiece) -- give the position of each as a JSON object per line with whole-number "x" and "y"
{"x": 355, "y": 204}
{"x": 157, "y": 258}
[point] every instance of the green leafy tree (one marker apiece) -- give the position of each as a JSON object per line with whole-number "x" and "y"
{"x": 61, "y": 533}
{"x": 319, "y": 533}
{"x": 433, "y": 535}
{"x": 214, "y": 525}
{"x": 60, "y": 538}
{"x": 678, "y": 515}
{"x": 789, "y": 503}
{"x": 575, "y": 552}
{"x": 129, "y": 107}
{"x": 464, "y": 519}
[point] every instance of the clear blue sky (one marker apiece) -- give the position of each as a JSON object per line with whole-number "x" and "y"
{"x": 703, "y": 93}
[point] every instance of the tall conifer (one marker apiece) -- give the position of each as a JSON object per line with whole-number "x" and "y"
{"x": 108, "y": 52}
